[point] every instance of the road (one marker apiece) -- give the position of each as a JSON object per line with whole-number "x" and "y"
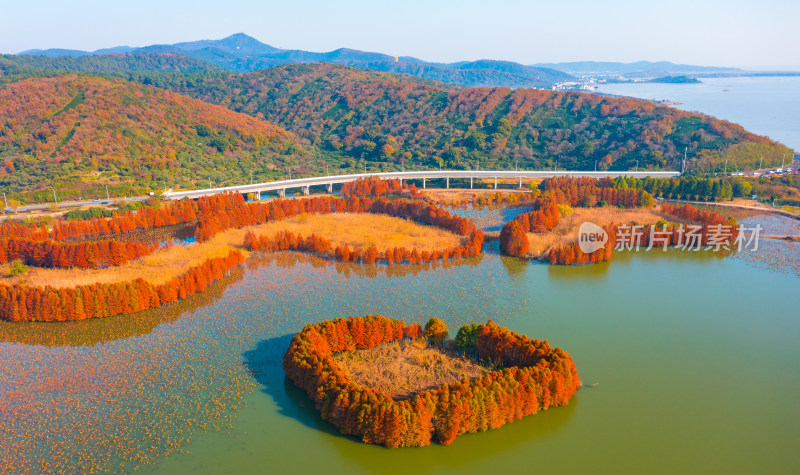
{"x": 74, "y": 204}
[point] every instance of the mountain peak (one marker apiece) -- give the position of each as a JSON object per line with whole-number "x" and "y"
{"x": 238, "y": 43}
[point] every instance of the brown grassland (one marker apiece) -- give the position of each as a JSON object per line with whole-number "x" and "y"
{"x": 567, "y": 228}
{"x": 354, "y": 230}
{"x": 403, "y": 368}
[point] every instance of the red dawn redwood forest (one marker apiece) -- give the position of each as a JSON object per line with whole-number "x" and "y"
{"x": 69, "y": 244}
{"x": 533, "y": 376}
{"x": 105, "y": 243}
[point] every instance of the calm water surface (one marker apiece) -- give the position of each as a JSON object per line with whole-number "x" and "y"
{"x": 696, "y": 360}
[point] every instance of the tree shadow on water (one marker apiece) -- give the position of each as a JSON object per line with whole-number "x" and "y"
{"x": 265, "y": 364}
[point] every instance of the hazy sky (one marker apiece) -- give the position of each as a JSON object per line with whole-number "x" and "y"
{"x": 752, "y": 34}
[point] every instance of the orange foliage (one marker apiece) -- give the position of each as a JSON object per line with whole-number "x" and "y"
{"x": 19, "y": 303}
{"x": 371, "y": 186}
{"x": 534, "y": 376}
{"x": 415, "y": 210}
{"x": 84, "y": 255}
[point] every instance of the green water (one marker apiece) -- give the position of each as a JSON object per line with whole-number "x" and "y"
{"x": 696, "y": 360}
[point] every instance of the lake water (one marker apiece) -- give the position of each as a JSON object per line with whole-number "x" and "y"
{"x": 765, "y": 105}
{"x": 696, "y": 360}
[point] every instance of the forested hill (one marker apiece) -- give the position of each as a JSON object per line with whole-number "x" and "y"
{"x": 350, "y": 113}
{"x": 79, "y": 133}
{"x": 243, "y": 53}
{"x": 18, "y": 67}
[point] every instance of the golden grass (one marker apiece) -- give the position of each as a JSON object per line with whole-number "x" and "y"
{"x": 365, "y": 230}
{"x": 567, "y": 228}
{"x": 404, "y": 368}
{"x": 355, "y": 230}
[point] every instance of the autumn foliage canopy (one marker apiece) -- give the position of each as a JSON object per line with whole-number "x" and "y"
{"x": 534, "y": 377}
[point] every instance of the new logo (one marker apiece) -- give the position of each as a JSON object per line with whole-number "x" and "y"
{"x": 591, "y": 237}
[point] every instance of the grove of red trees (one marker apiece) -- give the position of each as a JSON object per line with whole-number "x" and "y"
{"x": 371, "y": 186}
{"x": 534, "y": 377}
{"x": 83, "y": 255}
{"x": 22, "y": 303}
{"x": 285, "y": 240}
{"x": 513, "y": 240}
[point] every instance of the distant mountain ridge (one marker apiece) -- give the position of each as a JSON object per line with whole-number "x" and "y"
{"x": 242, "y": 53}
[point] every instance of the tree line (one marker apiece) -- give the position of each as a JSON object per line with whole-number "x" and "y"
{"x": 22, "y": 303}
{"x": 534, "y": 376}
{"x": 83, "y": 255}
{"x": 372, "y": 186}
{"x": 286, "y": 240}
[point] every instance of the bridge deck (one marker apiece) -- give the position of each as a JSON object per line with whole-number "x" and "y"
{"x": 413, "y": 175}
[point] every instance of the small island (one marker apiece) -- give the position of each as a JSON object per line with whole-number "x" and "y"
{"x": 676, "y": 80}
{"x": 398, "y": 385}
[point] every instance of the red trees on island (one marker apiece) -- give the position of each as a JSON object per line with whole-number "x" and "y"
{"x": 21, "y": 303}
{"x": 414, "y": 210}
{"x": 513, "y": 240}
{"x": 371, "y": 186}
{"x": 83, "y": 255}
{"x": 534, "y": 376}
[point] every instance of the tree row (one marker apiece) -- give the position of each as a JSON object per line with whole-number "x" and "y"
{"x": 22, "y": 303}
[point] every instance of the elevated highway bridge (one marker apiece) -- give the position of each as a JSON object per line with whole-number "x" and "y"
{"x": 305, "y": 184}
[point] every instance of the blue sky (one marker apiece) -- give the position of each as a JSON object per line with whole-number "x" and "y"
{"x": 748, "y": 34}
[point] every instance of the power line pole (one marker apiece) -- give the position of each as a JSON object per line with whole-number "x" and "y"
{"x": 724, "y": 173}
{"x": 54, "y": 195}
{"x": 6, "y": 200}
{"x": 108, "y": 197}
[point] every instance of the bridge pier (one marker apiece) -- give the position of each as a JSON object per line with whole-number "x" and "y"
{"x": 448, "y": 182}
{"x": 423, "y": 183}
{"x": 470, "y": 183}
{"x": 282, "y": 193}
{"x": 520, "y": 182}
{"x": 306, "y": 190}
{"x": 495, "y": 183}
{"x": 330, "y": 188}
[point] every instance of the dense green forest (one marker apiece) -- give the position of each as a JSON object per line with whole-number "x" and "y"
{"x": 13, "y": 68}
